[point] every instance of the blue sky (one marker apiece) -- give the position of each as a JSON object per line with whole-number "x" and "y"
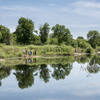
{"x": 79, "y": 16}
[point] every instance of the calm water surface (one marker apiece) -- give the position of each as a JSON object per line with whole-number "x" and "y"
{"x": 71, "y": 78}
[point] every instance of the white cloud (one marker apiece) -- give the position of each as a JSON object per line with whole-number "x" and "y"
{"x": 78, "y": 16}
{"x": 91, "y": 9}
{"x": 87, "y": 4}
{"x": 83, "y": 8}
{"x": 19, "y": 8}
{"x": 12, "y": 28}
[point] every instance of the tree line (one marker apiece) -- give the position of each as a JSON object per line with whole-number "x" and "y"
{"x": 25, "y": 34}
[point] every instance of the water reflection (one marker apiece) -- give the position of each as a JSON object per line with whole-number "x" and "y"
{"x": 4, "y": 72}
{"x": 44, "y": 73}
{"x": 25, "y": 75}
{"x": 61, "y": 71}
{"x": 45, "y": 69}
{"x": 93, "y": 65}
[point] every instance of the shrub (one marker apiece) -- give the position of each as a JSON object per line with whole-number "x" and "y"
{"x": 89, "y": 50}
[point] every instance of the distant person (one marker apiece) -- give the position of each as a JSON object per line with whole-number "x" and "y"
{"x": 76, "y": 51}
{"x": 25, "y": 52}
{"x": 25, "y": 61}
{"x": 35, "y": 52}
{"x": 30, "y": 60}
{"x": 30, "y": 53}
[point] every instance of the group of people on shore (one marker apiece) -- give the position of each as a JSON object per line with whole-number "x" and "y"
{"x": 29, "y": 52}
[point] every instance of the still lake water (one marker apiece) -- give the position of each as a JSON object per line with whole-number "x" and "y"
{"x": 68, "y": 78}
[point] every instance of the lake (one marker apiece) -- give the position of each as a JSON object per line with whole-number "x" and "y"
{"x": 60, "y": 78}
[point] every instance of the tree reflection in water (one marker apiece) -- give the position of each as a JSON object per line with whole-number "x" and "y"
{"x": 25, "y": 75}
{"x": 61, "y": 71}
{"x": 44, "y": 73}
{"x": 94, "y": 65}
{"x": 4, "y": 72}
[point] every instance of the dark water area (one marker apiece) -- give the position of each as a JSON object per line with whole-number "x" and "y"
{"x": 64, "y": 78}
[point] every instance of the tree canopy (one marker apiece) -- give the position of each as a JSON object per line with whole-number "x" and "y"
{"x": 93, "y": 38}
{"x": 4, "y": 34}
{"x": 44, "y": 31}
{"x": 24, "y": 30}
{"x": 26, "y": 34}
{"x": 62, "y": 34}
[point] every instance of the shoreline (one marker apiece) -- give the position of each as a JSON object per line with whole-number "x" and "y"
{"x": 50, "y": 56}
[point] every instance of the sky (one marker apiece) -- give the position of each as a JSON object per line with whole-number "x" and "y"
{"x": 79, "y": 16}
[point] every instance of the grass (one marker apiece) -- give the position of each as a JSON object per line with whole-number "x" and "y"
{"x": 46, "y": 50}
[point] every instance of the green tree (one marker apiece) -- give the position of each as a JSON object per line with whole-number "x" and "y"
{"x": 0, "y": 35}
{"x": 24, "y": 30}
{"x": 4, "y": 35}
{"x": 62, "y": 34}
{"x": 82, "y": 43}
{"x": 35, "y": 39}
{"x": 93, "y": 38}
{"x": 44, "y": 31}
{"x": 74, "y": 43}
{"x": 13, "y": 39}
{"x": 53, "y": 41}
{"x": 80, "y": 37}
{"x": 67, "y": 37}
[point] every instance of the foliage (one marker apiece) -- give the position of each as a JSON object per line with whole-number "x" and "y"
{"x": 93, "y": 38}
{"x": 4, "y": 35}
{"x": 82, "y": 43}
{"x": 17, "y": 51}
{"x": 80, "y": 37}
{"x": 62, "y": 34}
{"x": 44, "y": 31}
{"x": 74, "y": 43}
{"x": 24, "y": 30}
{"x": 89, "y": 50}
{"x": 53, "y": 41}
{"x": 13, "y": 40}
{"x": 35, "y": 39}
{"x": 59, "y": 42}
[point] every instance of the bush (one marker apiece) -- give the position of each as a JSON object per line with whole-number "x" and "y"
{"x": 89, "y": 50}
{"x": 53, "y": 41}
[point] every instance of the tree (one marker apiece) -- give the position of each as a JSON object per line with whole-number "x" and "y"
{"x": 0, "y": 35}
{"x": 35, "y": 39}
{"x": 44, "y": 31}
{"x": 62, "y": 34}
{"x": 82, "y": 43}
{"x": 80, "y": 37}
{"x": 67, "y": 37}
{"x": 4, "y": 35}
{"x": 93, "y": 38}
{"x": 13, "y": 39}
{"x": 74, "y": 43}
{"x": 24, "y": 30}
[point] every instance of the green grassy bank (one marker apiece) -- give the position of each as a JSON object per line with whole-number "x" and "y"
{"x": 47, "y": 50}
{"x": 8, "y": 51}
